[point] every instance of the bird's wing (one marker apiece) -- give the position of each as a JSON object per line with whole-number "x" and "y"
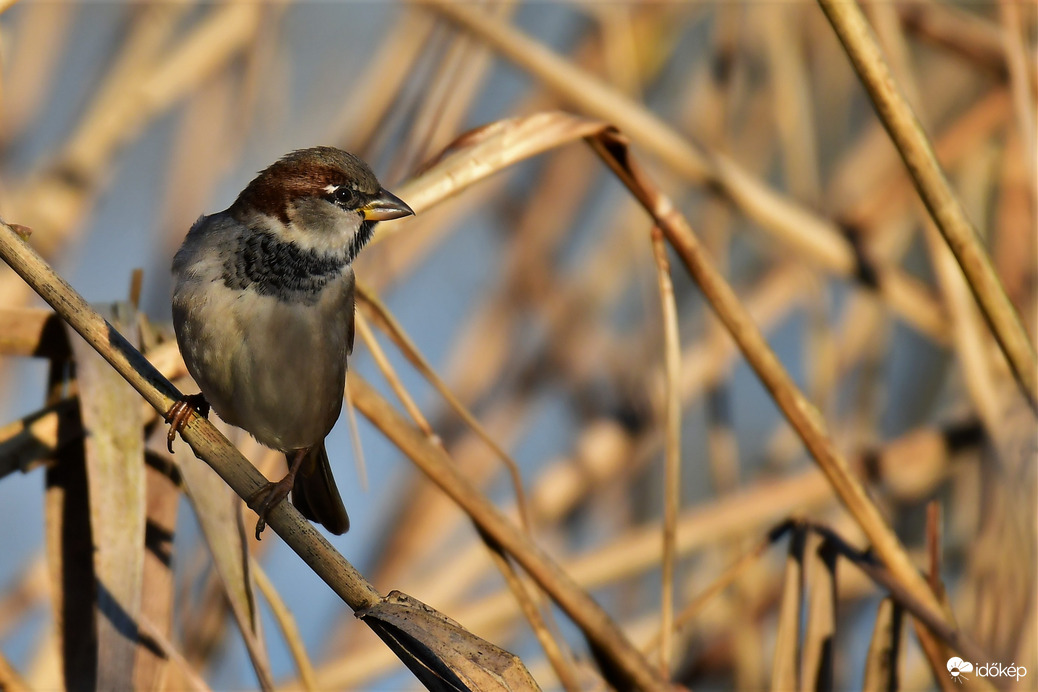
{"x": 351, "y": 312}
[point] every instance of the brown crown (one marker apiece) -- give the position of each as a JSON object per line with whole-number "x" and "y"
{"x": 303, "y": 173}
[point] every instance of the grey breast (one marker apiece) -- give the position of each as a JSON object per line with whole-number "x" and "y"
{"x": 264, "y": 331}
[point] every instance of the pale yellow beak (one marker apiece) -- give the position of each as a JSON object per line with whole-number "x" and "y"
{"x": 385, "y": 206}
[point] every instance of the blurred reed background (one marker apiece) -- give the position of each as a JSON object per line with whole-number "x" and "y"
{"x": 542, "y": 299}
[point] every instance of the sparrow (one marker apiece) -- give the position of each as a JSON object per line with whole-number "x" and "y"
{"x": 263, "y": 310}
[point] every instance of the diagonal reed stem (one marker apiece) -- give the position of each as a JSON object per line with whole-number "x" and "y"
{"x": 917, "y": 152}
{"x": 205, "y": 440}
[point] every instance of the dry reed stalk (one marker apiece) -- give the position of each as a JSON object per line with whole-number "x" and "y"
{"x": 162, "y": 500}
{"x": 819, "y": 644}
{"x": 907, "y": 468}
{"x": 936, "y": 655}
{"x": 580, "y": 353}
{"x": 358, "y": 120}
{"x": 44, "y": 669}
{"x": 10, "y": 680}
{"x": 970, "y": 337}
{"x": 191, "y": 679}
{"x": 902, "y": 466}
{"x": 953, "y": 29}
{"x": 491, "y": 614}
{"x": 31, "y": 64}
{"x": 135, "y": 92}
{"x": 1022, "y": 77}
{"x": 933, "y": 187}
{"x": 785, "y": 665}
{"x": 431, "y": 643}
{"x": 389, "y": 373}
{"x": 595, "y": 623}
{"x": 800, "y": 413}
{"x": 532, "y": 226}
{"x": 935, "y": 621}
{"x": 24, "y": 592}
{"x": 529, "y": 602}
{"x": 672, "y": 444}
{"x": 638, "y": 549}
{"x": 959, "y": 140}
{"x": 563, "y": 188}
{"x": 601, "y": 443}
{"x": 487, "y": 614}
{"x": 884, "y": 657}
{"x": 205, "y": 132}
{"x": 1014, "y": 244}
{"x": 223, "y": 531}
{"x": 406, "y": 346}
{"x": 287, "y": 623}
{"x": 448, "y": 96}
{"x": 723, "y": 581}
{"x": 790, "y": 88}
{"x": 811, "y": 235}
{"x": 894, "y": 43}
{"x": 116, "y": 487}
{"x": 440, "y": 520}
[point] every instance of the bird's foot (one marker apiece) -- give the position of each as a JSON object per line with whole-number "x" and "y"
{"x": 178, "y": 413}
{"x": 264, "y": 500}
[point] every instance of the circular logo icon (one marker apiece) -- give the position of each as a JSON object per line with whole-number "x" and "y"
{"x": 956, "y": 666}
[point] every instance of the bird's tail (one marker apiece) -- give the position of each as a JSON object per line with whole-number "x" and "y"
{"x": 314, "y": 493}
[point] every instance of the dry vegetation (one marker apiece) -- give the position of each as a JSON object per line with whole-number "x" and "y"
{"x": 683, "y": 199}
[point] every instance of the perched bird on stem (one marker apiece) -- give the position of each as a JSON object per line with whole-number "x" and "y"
{"x": 263, "y": 309}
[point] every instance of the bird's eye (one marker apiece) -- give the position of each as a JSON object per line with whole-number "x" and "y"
{"x": 345, "y": 197}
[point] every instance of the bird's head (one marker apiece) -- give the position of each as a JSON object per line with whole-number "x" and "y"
{"x": 321, "y": 199}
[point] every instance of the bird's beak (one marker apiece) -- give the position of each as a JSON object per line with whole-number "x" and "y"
{"x": 385, "y": 206}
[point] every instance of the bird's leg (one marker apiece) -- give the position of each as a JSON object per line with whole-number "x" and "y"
{"x": 178, "y": 413}
{"x": 267, "y": 498}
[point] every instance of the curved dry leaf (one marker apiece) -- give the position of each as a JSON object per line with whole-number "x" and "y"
{"x": 114, "y": 449}
{"x": 820, "y": 634}
{"x": 486, "y": 150}
{"x": 881, "y": 664}
{"x": 793, "y": 223}
{"x": 785, "y": 664}
{"x": 440, "y": 652}
{"x": 163, "y": 500}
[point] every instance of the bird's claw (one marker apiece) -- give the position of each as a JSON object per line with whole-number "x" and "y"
{"x": 266, "y": 499}
{"x": 179, "y": 412}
